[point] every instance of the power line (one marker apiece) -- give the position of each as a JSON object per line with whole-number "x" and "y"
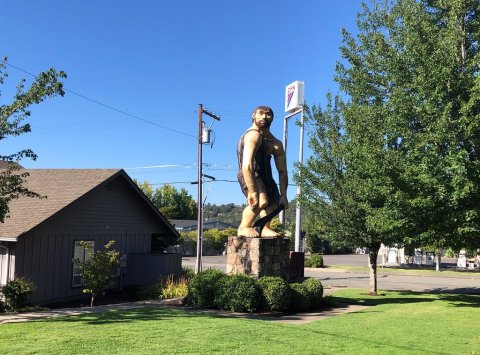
{"x": 108, "y": 106}
{"x": 186, "y": 166}
{"x": 190, "y": 182}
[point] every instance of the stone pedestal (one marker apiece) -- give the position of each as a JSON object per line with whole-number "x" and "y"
{"x": 258, "y": 256}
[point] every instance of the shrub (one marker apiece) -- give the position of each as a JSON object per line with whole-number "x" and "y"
{"x": 315, "y": 260}
{"x": 172, "y": 288}
{"x": 203, "y": 288}
{"x": 187, "y": 273}
{"x": 152, "y": 292}
{"x": 2, "y": 307}
{"x": 97, "y": 271}
{"x": 238, "y": 293}
{"x": 165, "y": 287}
{"x": 275, "y": 293}
{"x": 300, "y": 300}
{"x": 16, "y": 293}
{"x": 315, "y": 291}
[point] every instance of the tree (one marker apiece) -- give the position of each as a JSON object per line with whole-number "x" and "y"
{"x": 146, "y": 188}
{"x": 398, "y": 152}
{"x": 12, "y": 117}
{"x": 98, "y": 269}
{"x": 171, "y": 202}
{"x": 345, "y": 189}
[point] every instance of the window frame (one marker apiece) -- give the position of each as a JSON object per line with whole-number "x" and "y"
{"x": 83, "y": 256}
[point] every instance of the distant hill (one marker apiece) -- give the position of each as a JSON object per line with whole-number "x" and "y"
{"x": 229, "y": 212}
{"x": 232, "y": 213}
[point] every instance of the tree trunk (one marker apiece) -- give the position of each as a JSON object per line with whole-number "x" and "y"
{"x": 438, "y": 257}
{"x": 91, "y": 300}
{"x": 372, "y": 265}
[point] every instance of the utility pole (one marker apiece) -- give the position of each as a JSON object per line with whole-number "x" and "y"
{"x": 201, "y": 112}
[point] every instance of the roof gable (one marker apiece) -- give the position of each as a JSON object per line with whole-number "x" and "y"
{"x": 62, "y": 187}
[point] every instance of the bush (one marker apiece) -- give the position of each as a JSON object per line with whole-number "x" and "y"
{"x": 203, "y": 287}
{"x": 187, "y": 273}
{"x": 315, "y": 292}
{"x": 16, "y": 293}
{"x": 238, "y": 293}
{"x": 167, "y": 287}
{"x": 275, "y": 293}
{"x": 315, "y": 260}
{"x": 152, "y": 292}
{"x": 174, "y": 288}
{"x": 300, "y": 300}
{"x": 2, "y": 307}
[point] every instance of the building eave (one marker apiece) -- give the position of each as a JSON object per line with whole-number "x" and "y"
{"x": 8, "y": 239}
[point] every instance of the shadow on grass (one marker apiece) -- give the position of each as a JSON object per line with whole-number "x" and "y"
{"x": 456, "y": 298}
{"x": 462, "y": 300}
{"x": 336, "y": 305}
{"x": 130, "y": 315}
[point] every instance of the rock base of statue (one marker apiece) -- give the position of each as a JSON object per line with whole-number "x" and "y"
{"x": 258, "y": 256}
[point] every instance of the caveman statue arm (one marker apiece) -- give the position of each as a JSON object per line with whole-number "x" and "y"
{"x": 281, "y": 165}
{"x": 251, "y": 143}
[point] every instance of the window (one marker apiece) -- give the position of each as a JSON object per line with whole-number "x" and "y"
{"x": 80, "y": 253}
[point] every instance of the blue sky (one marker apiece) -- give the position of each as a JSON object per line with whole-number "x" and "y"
{"x": 156, "y": 61}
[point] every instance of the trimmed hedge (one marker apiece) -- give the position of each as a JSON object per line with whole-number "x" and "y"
{"x": 315, "y": 260}
{"x": 16, "y": 293}
{"x": 275, "y": 292}
{"x": 300, "y": 300}
{"x": 241, "y": 293}
{"x": 238, "y": 293}
{"x": 204, "y": 287}
{"x": 315, "y": 292}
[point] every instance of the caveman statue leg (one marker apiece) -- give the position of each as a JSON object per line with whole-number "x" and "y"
{"x": 266, "y": 231}
{"x": 245, "y": 229}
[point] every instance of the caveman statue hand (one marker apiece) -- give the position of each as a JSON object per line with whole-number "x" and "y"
{"x": 283, "y": 202}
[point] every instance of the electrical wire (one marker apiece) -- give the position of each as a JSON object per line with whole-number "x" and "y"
{"x": 108, "y": 106}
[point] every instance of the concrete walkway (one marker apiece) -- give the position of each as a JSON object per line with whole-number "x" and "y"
{"x": 298, "y": 318}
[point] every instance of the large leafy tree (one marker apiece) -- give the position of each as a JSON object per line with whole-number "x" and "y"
{"x": 346, "y": 189}
{"x": 12, "y": 117}
{"x": 397, "y": 158}
{"x": 170, "y": 201}
{"x": 429, "y": 76}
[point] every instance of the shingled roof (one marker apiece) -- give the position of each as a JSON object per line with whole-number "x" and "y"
{"x": 62, "y": 187}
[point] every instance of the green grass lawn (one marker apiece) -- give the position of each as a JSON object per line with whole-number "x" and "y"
{"x": 396, "y": 322}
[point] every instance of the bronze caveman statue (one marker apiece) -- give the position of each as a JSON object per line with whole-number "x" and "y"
{"x": 254, "y": 150}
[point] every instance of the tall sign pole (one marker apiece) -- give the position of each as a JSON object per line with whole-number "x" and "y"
{"x": 201, "y": 112}
{"x": 293, "y": 105}
{"x": 298, "y": 212}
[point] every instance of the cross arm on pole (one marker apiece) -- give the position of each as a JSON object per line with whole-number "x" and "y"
{"x": 212, "y": 115}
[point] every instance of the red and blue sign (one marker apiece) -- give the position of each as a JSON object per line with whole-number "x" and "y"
{"x": 294, "y": 96}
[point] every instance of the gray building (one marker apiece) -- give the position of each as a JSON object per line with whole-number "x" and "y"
{"x": 40, "y": 237}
